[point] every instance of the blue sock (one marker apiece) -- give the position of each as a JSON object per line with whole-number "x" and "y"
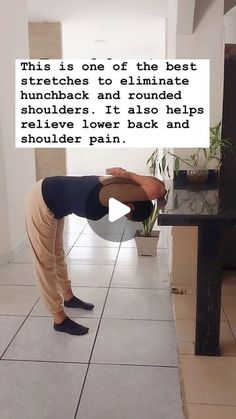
{"x": 75, "y": 302}
{"x": 71, "y": 327}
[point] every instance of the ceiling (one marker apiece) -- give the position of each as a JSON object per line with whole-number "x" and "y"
{"x": 64, "y": 10}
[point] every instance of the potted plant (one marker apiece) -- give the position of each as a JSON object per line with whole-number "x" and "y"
{"x": 198, "y": 162}
{"x": 147, "y": 239}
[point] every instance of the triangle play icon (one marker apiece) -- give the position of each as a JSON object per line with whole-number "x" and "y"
{"x": 117, "y": 209}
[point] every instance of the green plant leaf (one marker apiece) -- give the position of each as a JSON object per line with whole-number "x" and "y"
{"x": 163, "y": 163}
{"x": 176, "y": 165}
{"x": 168, "y": 170}
{"x": 205, "y": 153}
{"x": 148, "y": 224}
{"x": 176, "y": 202}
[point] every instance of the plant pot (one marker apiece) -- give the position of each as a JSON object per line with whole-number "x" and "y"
{"x": 197, "y": 176}
{"x": 147, "y": 245}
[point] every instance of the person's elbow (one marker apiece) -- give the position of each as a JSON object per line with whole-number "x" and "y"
{"x": 156, "y": 191}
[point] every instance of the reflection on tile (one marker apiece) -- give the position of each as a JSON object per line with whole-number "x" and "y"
{"x": 90, "y": 275}
{"x": 17, "y": 274}
{"x": 16, "y": 300}
{"x": 34, "y": 389}
{"x": 69, "y": 239}
{"x": 93, "y": 240}
{"x": 24, "y": 256}
{"x": 74, "y": 224}
{"x": 91, "y": 295}
{"x": 129, "y": 256}
{"x": 38, "y": 341}
{"x": 137, "y": 342}
{"x": 209, "y": 380}
{"x": 92, "y": 255}
{"x": 130, "y": 392}
{"x": 204, "y": 411}
{"x": 162, "y": 240}
{"x": 128, "y": 243}
{"x": 141, "y": 277}
{"x": 142, "y": 304}
{"x": 8, "y": 327}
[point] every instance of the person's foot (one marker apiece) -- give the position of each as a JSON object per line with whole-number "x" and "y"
{"x": 75, "y": 302}
{"x": 70, "y": 327}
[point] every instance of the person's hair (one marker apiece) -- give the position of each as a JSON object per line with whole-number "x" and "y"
{"x": 142, "y": 210}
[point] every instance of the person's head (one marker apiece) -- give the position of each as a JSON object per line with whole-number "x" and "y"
{"x": 140, "y": 210}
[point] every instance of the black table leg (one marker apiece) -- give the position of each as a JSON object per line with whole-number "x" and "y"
{"x": 208, "y": 290}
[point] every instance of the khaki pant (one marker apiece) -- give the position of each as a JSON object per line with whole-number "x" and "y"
{"x": 45, "y": 234}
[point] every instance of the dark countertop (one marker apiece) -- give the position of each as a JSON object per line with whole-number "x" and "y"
{"x": 210, "y": 207}
{"x": 188, "y": 204}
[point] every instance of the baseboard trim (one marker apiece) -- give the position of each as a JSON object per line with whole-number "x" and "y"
{"x": 11, "y": 254}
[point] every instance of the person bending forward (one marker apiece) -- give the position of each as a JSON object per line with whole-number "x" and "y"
{"x": 53, "y": 198}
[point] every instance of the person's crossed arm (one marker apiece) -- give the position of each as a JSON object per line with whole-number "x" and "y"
{"x": 134, "y": 187}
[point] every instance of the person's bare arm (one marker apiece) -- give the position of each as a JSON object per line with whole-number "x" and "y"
{"x": 156, "y": 180}
{"x": 133, "y": 177}
{"x": 135, "y": 188}
{"x": 107, "y": 180}
{"x": 144, "y": 180}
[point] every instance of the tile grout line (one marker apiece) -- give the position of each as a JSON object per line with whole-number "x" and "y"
{"x": 178, "y": 357}
{"x": 73, "y": 245}
{"x": 19, "y": 328}
{"x": 101, "y": 317}
{"x": 18, "y": 285}
{"x": 105, "y": 318}
{"x": 99, "y": 323}
{"x": 97, "y": 318}
{"x": 95, "y": 286}
{"x": 40, "y": 361}
{"x": 215, "y": 404}
{"x": 115, "y": 264}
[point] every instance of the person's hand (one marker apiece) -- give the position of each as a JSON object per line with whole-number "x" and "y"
{"x": 116, "y": 171}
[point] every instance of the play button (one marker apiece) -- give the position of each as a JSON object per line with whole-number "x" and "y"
{"x": 114, "y": 226}
{"x": 117, "y": 210}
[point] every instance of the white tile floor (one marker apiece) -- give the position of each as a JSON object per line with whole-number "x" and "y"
{"x": 126, "y": 367}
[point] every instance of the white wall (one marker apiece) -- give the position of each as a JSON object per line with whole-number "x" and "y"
{"x": 16, "y": 166}
{"x": 115, "y": 36}
{"x": 206, "y": 42}
{"x": 230, "y": 28}
{"x": 171, "y": 28}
